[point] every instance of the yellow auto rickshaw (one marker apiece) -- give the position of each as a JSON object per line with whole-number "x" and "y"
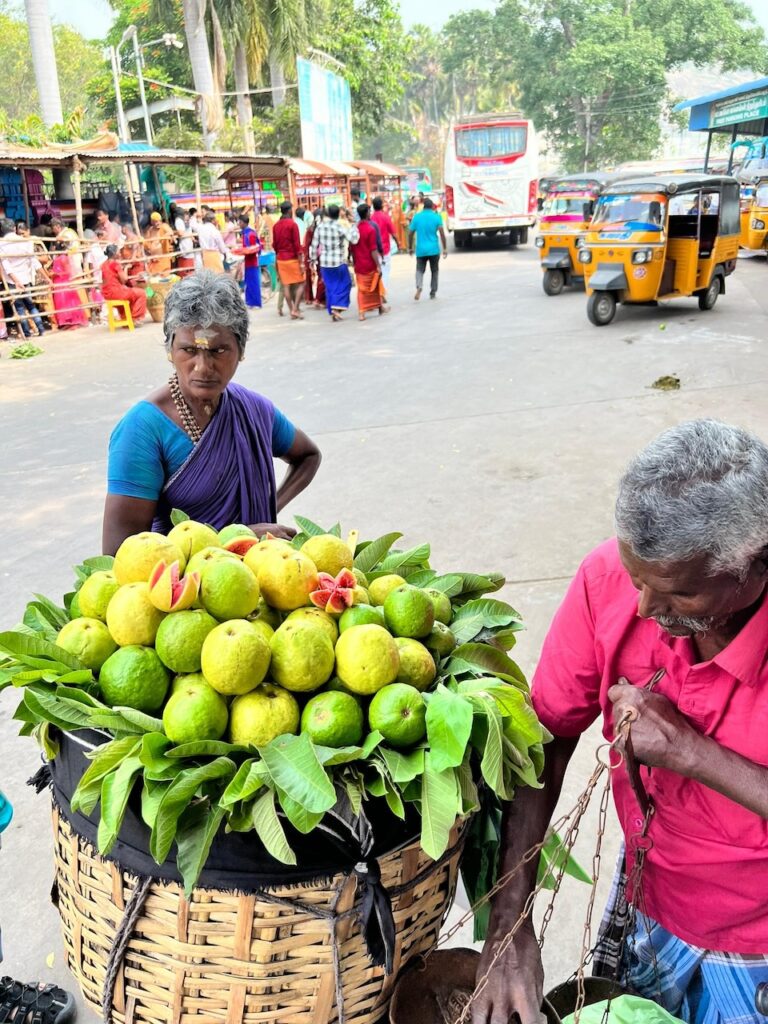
{"x": 565, "y": 215}
{"x": 660, "y": 236}
{"x": 754, "y": 214}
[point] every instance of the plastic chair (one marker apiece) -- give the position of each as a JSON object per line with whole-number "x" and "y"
{"x": 119, "y": 314}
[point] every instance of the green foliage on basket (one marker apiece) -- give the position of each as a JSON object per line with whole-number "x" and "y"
{"x": 482, "y": 740}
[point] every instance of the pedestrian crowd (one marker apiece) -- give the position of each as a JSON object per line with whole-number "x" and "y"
{"x": 50, "y": 278}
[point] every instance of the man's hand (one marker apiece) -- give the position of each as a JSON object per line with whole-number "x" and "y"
{"x": 277, "y": 531}
{"x": 661, "y": 736}
{"x": 514, "y": 985}
{"x": 445, "y": 254}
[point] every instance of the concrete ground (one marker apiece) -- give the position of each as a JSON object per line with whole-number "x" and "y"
{"x": 493, "y": 422}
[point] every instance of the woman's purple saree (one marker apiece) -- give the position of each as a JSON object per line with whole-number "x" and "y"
{"x": 229, "y": 476}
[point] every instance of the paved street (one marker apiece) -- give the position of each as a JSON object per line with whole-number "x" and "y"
{"x": 493, "y": 422}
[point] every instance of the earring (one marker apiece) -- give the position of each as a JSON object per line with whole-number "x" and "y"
{"x": 169, "y": 357}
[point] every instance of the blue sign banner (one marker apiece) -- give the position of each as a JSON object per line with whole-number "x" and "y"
{"x": 325, "y": 107}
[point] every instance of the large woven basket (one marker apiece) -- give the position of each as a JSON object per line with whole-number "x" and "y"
{"x": 291, "y": 955}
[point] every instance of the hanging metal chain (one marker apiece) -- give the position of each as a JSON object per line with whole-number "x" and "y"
{"x": 572, "y": 819}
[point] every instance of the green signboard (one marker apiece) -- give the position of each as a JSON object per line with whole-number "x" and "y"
{"x": 751, "y": 106}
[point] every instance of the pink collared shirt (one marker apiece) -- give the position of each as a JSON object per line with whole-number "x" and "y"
{"x": 706, "y": 876}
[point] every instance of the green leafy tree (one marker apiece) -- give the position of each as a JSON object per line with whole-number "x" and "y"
{"x": 369, "y": 40}
{"x": 593, "y": 75}
{"x": 78, "y": 61}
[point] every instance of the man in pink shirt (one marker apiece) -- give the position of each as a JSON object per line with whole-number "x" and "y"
{"x": 383, "y": 222}
{"x": 112, "y": 232}
{"x": 678, "y": 598}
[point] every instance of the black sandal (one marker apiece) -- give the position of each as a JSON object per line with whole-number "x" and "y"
{"x": 34, "y": 1005}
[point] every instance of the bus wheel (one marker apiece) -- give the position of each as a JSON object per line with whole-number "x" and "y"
{"x": 554, "y": 282}
{"x": 601, "y": 308}
{"x": 459, "y": 239}
{"x": 709, "y": 297}
{"x": 523, "y": 236}
{"x": 514, "y": 236}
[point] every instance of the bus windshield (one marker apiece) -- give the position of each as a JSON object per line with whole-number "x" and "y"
{"x": 640, "y": 212}
{"x": 491, "y": 141}
{"x": 555, "y": 206}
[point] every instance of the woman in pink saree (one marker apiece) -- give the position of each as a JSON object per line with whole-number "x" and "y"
{"x": 66, "y": 298}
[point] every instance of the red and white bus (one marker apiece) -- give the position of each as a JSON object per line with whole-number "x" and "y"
{"x": 491, "y": 177}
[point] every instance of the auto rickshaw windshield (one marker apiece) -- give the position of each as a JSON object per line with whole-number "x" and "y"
{"x": 761, "y": 196}
{"x": 558, "y": 206}
{"x": 642, "y": 212}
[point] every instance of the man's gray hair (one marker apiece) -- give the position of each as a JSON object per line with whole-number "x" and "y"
{"x": 203, "y": 299}
{"x": 700, "y": 488}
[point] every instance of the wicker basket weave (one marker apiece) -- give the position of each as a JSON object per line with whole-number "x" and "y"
{"x": 287, "y": 956}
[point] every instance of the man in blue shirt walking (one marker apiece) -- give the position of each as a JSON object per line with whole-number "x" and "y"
{"x": 427, "y": 226}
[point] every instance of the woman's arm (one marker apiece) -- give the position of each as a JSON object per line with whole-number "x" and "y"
{"x": 303, "y": 458}
{"x": 123, "y": 517}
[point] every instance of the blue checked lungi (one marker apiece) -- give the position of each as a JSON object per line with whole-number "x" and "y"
{"x": 700, "y": 986}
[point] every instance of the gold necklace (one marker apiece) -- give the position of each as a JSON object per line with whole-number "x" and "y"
{"x": 188, "y": 421}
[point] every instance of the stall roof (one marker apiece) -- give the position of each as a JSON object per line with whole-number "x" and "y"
{"x": 743, "y": 107}
{"x": 138, "y": 152}
{"x": 275, "y": 166}
{"x": 377, "y": 167}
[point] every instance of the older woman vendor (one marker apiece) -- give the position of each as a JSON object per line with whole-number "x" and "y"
{"x": 200, "y": 443}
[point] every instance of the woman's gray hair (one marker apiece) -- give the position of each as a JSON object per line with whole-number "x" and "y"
{"x": 203, "y": 299}
{"x": 700, "y": 488}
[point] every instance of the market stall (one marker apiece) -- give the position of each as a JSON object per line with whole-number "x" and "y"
{"x": 271, "y": 179}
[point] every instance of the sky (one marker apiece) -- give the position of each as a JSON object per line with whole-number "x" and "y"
{"x": 93, "y": 17}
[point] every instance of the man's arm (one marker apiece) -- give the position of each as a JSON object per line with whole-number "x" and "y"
{"x": 411, "y": 236}
{"x": 441, "y": 232}
{"x": 516, "y": 982}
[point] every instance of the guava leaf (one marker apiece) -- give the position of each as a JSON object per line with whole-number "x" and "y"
{"x": 492, "y": 762}
{"x": 355, "y": 790}
{"x": 151, "y": 795}
{"x": 368, "y": 557}
{"x": 178, "y": 796}
{"x": 206, "y": 748}
{"x": 301, "y": 819}
{"x": 158, "y": 767}
{"x": 38, "y": 653}
{"x": 439, "y": 807}
{"x": 69, "y": 715}
{"x": 450, "y": 585}
{"x": 371, "y": 741}
{"x": 403, "y": 767}
{"x": 103, "y": 760}
{"x": 418, "y": 556}
{"x": 177, "y": 516}
{"x": 449, "y": 725}
{"x": 144, "y": 722}
{"x": 307, "y": 526}
{"x": 329, "y": 756}
{"x": 197, "y": 830}
{"x": 422, "y": 578}
{"x": 269, "y": 829}
{"x": 470, "y": 798}
{"x": 554, "y": 852}
{"x": 115, "y": 791}
{"x": 395, "y": 802}
{"x": 484, "y": 613}
{"x": 473, "y": 585}
{"x": 55, "y": 615}
{"x": 295, "y": 768}
{"x": 249, "y": 779}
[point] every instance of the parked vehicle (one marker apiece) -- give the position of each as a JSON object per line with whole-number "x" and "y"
{"x": 565, "y": 214}
{"x": 660, "y": 237}
{"x": 754, "y": 214}
{"x": 490, "y": 179}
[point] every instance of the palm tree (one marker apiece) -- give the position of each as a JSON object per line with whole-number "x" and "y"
{"x": 208, "y": 72}
{"x": 44, "y": 60}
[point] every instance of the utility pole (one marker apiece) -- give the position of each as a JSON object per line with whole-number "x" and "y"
{"x": 588, "y": 133}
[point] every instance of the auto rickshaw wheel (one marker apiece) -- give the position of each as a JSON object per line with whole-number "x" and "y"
{"x": 601, "y": 308}
{"x": 709, "y": 297}
{"x": 554, "y": 282}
